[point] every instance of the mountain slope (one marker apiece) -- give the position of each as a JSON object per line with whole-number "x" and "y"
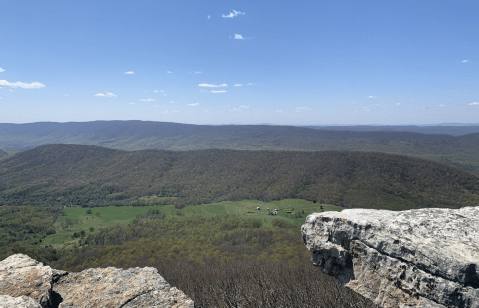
{"x": 139, "y": 135}
{"x": 3, "y": 153}
{"x": 89, "y": 175}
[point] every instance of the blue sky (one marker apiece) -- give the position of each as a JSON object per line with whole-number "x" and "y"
{"x": 240, "y": 62}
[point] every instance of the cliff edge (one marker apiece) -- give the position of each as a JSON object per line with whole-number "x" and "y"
{"x": 415, "y": 258}
{"x": 25, "y": 282}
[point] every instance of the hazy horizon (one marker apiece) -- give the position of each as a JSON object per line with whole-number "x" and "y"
{"x": 306, "y": 63}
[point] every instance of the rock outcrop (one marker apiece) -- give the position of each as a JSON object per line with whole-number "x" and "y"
{"x": 416, "y": 258}
{"x": 25, "y": 282}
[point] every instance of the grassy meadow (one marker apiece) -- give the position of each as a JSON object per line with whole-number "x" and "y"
{"x": 104, "y": 217}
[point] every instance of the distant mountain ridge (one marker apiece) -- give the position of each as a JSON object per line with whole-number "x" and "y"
{"x": 452, "y": 129}
{"x": 140, "y": 135}
{"x": 95, "y": 176}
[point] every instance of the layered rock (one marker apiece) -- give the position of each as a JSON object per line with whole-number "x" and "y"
{"x": 415, "y": 258}
{"x": 25, "y": 282}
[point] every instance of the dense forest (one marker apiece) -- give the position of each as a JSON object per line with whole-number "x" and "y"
{"x": 93, "y": 176}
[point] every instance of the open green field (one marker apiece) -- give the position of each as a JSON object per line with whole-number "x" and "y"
{"x": 123, "y": 215}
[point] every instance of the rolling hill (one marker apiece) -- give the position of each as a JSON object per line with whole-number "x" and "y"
{"x": 456, "y": 146}
{"x": 141, "y": 135}
{"x": 96, "y": 176}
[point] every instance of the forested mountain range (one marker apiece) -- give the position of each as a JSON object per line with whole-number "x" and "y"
{"x": 453, "y": 129}
{"x": 96, "y": 176}
{"x": 140, "y": 135}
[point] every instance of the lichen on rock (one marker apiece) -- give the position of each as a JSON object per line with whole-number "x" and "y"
{"x": 415, "y": 258}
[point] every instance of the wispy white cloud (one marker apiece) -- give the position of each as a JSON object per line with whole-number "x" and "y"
{"x": 106, "y": 94}
{"x": 156, "y": 91}
{"x": 169, "y": 72}
{"x": 238, "y": 85}
{"x": 147, "y": 100}
{"x": 129, "y": 73}
{"x": 239, "y": 37}
{"x": 208, "y": 17}
{"x": 279, "y": 110}
{"x": 217, "y": 91}
{"x": 1, "y": 70}
{"x": 193, "y": 105}
{"x": 132, "y": 103}
{"x": 302, "y": 108}
{"x": 251, "y": 84}
{"x": 465, "y": 61}
{"x": 233, "y": 14}
{"x": 171, "y": 102}
{"x": 245, "y": 107}
{"x": 207, "y": 85}
{"x": 172, "y": 111}
{"x": 475, "y": 103}
{"x": 397, "y": 104}
{"x": 372, "y": 96}
{"x": 197, "y": 72}
{"x": 441, "y": 105}
{"x": 18, "y": 84}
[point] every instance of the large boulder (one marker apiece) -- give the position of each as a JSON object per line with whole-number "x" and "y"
{"x": 415, "y": 258}
{"x": 25, "y": 282}
{"x": 22, "y": 276}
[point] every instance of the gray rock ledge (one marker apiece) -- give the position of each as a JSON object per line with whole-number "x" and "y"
{"x": 416, "y": 258}
{"x": 25, "y": 282}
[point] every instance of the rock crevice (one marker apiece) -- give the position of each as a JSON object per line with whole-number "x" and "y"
{"x": 25, "y": 282}
{"x": 415, "y": 258}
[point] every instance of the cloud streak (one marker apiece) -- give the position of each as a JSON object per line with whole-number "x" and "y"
{"x": 129, "y": 73}
{"x": 475, "y": 103}
{"x": 193, "y": 105}
{"x": 233, "y": 14}
{"x": 208, "y": 85}
{"x": 107, "y": 94}
{"x": 1, "y": 70}
{"x": 147, "y": 100}
{"x": 465, "y": 61}
{"x": 239, "y": 37}
{"x": 217, "y": 91}
{"x": 18, "y": 84}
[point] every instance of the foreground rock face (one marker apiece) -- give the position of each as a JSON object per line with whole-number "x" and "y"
{"x": 25, "y": 282}
{"x": 415, "y": 258}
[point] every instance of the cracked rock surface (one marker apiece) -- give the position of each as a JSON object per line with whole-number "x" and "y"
{"x": 416, "y": 258}
{"x": 25, "y": 279}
